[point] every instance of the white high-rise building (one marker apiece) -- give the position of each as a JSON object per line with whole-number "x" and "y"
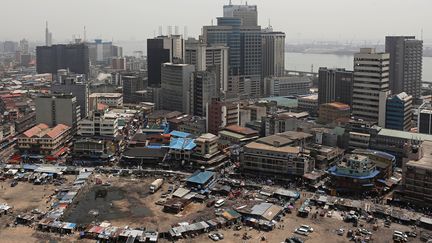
{"x": 273, "y": 52}
{"x": 371, "y": 85}
{"x": 203, "y": 56}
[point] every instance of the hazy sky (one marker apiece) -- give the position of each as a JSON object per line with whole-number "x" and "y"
{"x": 139, "y": 19}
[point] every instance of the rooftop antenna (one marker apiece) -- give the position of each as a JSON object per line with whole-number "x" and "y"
{"x": 212, "y": 22}
{"x": 85, "y": 35}
{"x": 421, "y": 35}
{"x": 185, "y": 33}
{"x": 160, "y": 30}
{"x": 230, "y": 2}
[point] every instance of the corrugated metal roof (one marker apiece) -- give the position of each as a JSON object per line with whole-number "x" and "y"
{"x": 201, "y": 177}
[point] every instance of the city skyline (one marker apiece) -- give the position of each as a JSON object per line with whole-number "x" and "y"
{"x": 322, "y": 22}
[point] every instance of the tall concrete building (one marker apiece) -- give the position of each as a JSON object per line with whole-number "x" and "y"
{"x": 273, "y": 52}
{"x": 76, "y": 85}
{"x": 424, "y": 120}
{"x": 101, "y": 52}
{"x": 75, "y": 57}
{"x": 131, "y": 85}
{"x": 176, "y": 87}
{"x": 335, "y": 85}
{"x": 204, "y": 56}
{"x": 244, "y": 42}
{"x": 24, "y": 46}
{"x": 247, "y": 13}
{"x": 221, "y": 114}
{"x": 406, "y": 57}
{"x": 57, "y": 109}
{"x": 163, "y": 49}
{"x": 204, "y": 90}
{"x": 399, "y": 112}
{"x": 371, "y": 85}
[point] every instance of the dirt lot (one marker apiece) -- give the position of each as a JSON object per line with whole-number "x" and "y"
{"x": 25, "y": 196}
{"x": 324, "y": 231}
{"x": 129, "y": 202}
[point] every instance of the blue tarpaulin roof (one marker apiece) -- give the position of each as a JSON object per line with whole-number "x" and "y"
{"x": 334, "y": 172}
{"x": 201, "y": 177}
{"x": 180, "y": 134}
{"x": 182, "y": 144}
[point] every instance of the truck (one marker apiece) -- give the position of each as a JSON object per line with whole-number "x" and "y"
{"x": 155, "y": 185}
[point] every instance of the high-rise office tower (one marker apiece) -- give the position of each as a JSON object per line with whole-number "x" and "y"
{"x": 76, "y": 85}
{"x": 176, "y": 87}
{"x": 57, "y": 109}
{"x": 244, "y": 59}
{"x": 48, "y": 35}
{"x": 273, "y": 53}
{"x": 204, "y": 56}
{"x": 131, "y": 84}
{"x": 101, "y": 52}
{"x": 163, "y": 49}
{"x": 204, "y": 90}
{"x": 371, "y": 85}
{"x": 10, "y": 46}
{"x": 335, "y": 85}
{"x": 75, "y": 57}
{"x": 399, "y": 112}
{"x": 406, "y": 55}
{"x": 247, "y": 13}
{"x": 24, "y": 46}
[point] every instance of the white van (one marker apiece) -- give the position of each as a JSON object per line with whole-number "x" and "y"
{"x": 219, "y": 203}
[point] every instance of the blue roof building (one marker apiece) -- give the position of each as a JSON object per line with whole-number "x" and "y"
{"x": 356, "y": 173}
{"x": 201, "y": 179}
{"x": 178, "y": 134}
{"x": 181, "y": 148}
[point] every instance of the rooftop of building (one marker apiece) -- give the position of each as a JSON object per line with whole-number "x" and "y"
{"x": 241, "y": 130}
{"x": 275, "y": 140}
{"x": 43, "y": 130}
{"x": 206, "y": 137}
{"x": 293, "y": 135}
{"x": 404, "y": 135}
{"x": 311, "y": 97}
{"x": 338, "y": 105}
{"x": 426, "y": 161}
{"x": 164, "y": 114}
{"x": 261, "y": 146}
{"x": 201, "y": 177}
{"x": 290, "y": 114}
{"x": 108, "y": 95}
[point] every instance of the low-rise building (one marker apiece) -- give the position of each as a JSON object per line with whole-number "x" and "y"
{"x": 285, "y": 86}
{"x": 97, "y": 124}
{"x": 416, "y": 177}
{"x": 333, "y": 112}
{"x": 282, "y": 122}
{"x": 44, "y": 140}
{"x": 385, "y": 162}
{"x": 354, "y": 173}
{"x": 238, "y": 135}
{"x": 276, "y": 157}
{"x": 109, "y": 99}
{"x": 325, "y": 156}
{"x": 308, "y": 103}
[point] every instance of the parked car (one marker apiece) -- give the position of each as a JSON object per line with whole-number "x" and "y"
{"x": 301, "y": 231}
{"x": 14, "y": 183}
{"x": 220, "y": 235}
{"x": 307, "y": 227}
{"x": 340, "y": 231}
{"x": 213, "y": 236}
